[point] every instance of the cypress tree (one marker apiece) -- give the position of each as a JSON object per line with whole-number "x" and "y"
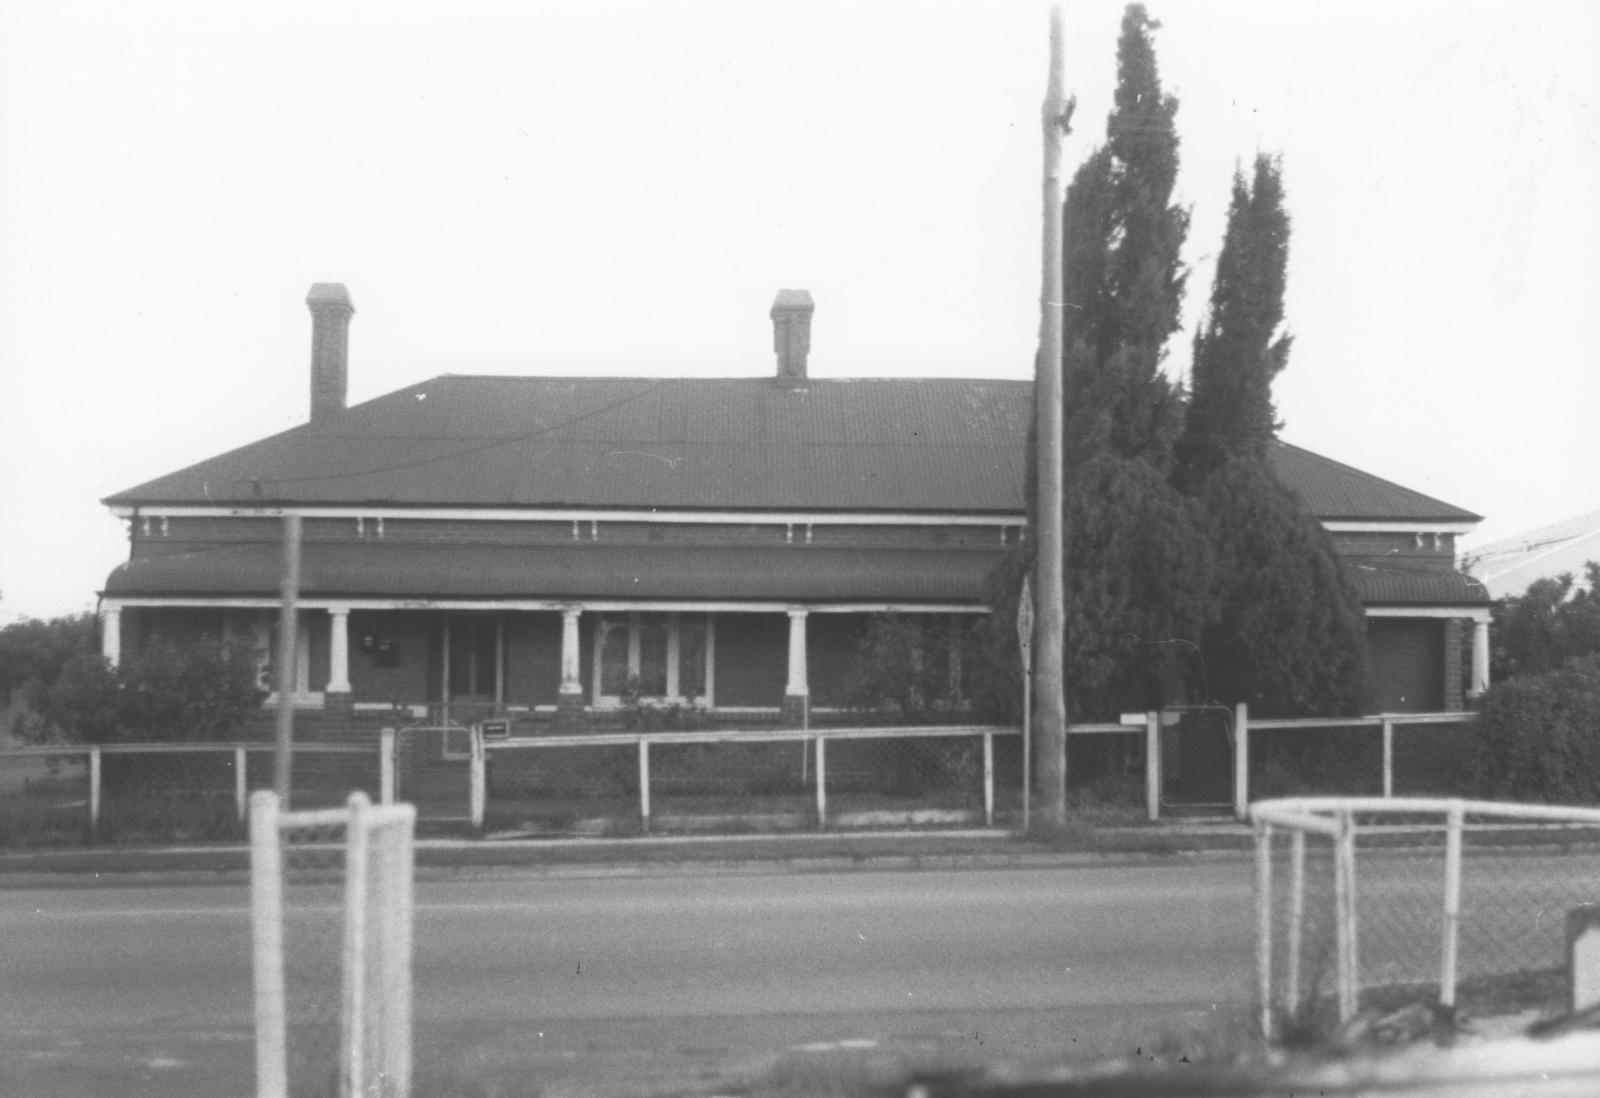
{"x": 1241, "y": 348}
{"x": 1124, "y": 279}
{"x": 1289, "y": 636}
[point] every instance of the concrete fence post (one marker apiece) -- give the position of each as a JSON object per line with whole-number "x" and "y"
{"x": 822, "y": 782}
{"x": 1152, "y": 765}
{"x": 1388, "y": 755}
{"x": 387, "y": 793}
{"x": 1344, "y": 901}
{"x": 1455, "y": 816}
{"x": 988, "y": 779}
{"x": 352, "y": 1013}
{"x": 478, "y": 791}
{"x": 266, "y": 931}
{"x": 94, "y": 791}
{"x": 644, "y": 783}
{"x": 1264, "y": 925}
{"x": 241, "y": 781}
{"x": 1241, "y": 761}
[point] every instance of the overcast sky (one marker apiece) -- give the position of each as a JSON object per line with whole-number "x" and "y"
{"x": 621, "y": 188}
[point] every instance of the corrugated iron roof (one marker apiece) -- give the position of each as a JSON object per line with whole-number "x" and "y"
{"x": 1386, "y": 584}
{"x": 884, "y": 444}
{"x": 585, "y": 571}
{"x": 919, "y": 445}
{"x": 1334, "y": 491}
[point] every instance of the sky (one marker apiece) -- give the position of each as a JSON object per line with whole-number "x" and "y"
{"x": 621, "y": 189}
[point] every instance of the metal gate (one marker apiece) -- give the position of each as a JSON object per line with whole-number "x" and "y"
{"x": 1197, "y": 757}
{"x": 433, "y": 770}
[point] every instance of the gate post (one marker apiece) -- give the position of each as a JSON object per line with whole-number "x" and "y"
{"x": 386, "y": 769}
{"x": 478, "y": 792}
{"x": 1241, "y": 761}
{"x": 1152, "y": 764}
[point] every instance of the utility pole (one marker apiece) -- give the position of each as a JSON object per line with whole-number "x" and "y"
{"x": 1049, "y": 685}
{"x": 288, "y": 614}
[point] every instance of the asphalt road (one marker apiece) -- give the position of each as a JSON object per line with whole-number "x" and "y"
{"x": 618, "y": 983}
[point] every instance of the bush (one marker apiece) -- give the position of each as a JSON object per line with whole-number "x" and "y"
{"x": 1541, "y": 737}
{"x": 199, "y": 693}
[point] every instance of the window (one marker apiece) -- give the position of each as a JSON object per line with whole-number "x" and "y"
{"x": 659, "y": 654}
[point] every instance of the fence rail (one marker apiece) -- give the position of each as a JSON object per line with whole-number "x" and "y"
{"x": 1424, "y": 914}
{"x": 642, "y": 784}
{"x": 1163, "y": 762}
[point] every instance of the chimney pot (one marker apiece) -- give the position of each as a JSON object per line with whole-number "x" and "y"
{"x": 791, "y": 334}
{"x": 331, "y": 310}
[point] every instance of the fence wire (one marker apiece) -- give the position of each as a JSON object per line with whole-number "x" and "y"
{"x": 313, "y": 953}
{"x": 1517, "y": 881}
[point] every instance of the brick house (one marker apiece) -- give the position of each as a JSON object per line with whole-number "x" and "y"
{"x": 538, "y": 546}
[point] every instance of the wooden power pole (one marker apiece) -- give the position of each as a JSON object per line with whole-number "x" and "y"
{"x": 288, "y": 615}
{"x": 1049, "y": 683}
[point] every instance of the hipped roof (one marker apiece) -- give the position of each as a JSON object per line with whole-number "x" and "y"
{"x": 887, "y": 444}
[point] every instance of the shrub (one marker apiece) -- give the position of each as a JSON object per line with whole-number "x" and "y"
{"x": 1541, "y": 736}
{"x": 195, "y": 694}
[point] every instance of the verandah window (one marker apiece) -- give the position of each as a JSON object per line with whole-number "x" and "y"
{"x": 662, "y": 654}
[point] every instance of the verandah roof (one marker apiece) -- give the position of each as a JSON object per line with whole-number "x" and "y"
{"x": 577, "y": 572}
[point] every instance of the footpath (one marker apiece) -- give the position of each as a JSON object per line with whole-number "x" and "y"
{"x": 655, "y": 855}
{"x": 445, "y": 857}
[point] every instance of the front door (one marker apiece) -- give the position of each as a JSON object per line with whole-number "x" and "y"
{"x": 473, "y": 661}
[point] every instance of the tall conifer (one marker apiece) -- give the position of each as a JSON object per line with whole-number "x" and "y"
{"x": 1241, "y": 347}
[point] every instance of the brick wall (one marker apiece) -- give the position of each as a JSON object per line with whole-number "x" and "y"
{"x": 752, "y": 659}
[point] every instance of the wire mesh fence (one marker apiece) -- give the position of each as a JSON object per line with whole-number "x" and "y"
{"x": 313, "y": 952}
{"x": 745, "y": 780}
{"x": 1371, "y": 905}
{"x": 162, "y": 793}
{"x": 332, "y": 914}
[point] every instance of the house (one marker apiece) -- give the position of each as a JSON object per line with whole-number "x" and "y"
{"x": 546, "y": 547}
{"x": 1508, "y": 566}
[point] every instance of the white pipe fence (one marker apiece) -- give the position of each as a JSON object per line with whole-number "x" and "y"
{"x": 816, "y": 739}
{"x": 1340, "y": 820}
{"x": 94, "y": 755}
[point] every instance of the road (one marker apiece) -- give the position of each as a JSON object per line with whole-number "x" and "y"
{"x": 611, "y": 983}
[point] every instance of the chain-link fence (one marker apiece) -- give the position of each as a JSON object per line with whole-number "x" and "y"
{"x": 331, "y": 913}
{"x": 1398, "y": 754}
{"x": 163, "y": 793}
{"x": 1373, "y": 904}
{"x": 620, "y": 782}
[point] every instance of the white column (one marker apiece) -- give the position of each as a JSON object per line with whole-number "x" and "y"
{"x": 797, "y": 687}
{"x": 570, "y": 681}
{"x": 1480, "y": 657}
{"x": 111, "y": 635}
{"x": 338, "y": 650}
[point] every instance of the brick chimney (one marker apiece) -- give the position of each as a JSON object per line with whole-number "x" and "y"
{"x": 791, "y": 334}
{"x": 330, "y": 347}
